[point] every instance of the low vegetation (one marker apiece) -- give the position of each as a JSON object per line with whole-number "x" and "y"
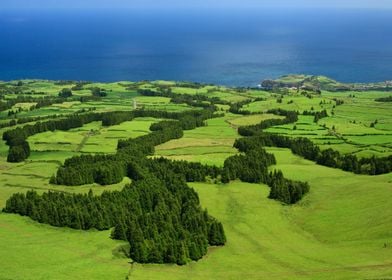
{"x": 279, "y": 169}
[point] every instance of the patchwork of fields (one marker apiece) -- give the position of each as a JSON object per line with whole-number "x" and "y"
{"x": 342, "y": 229}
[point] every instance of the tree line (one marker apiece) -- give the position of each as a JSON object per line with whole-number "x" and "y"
{"x": 193, "y": 100}
{"x": 384, "y": 99}
{"x": 250, "y": 130}
{"x": 318, "y": 115}
{"x": 236, "y": 108}
{"x": 42, "y": 101}
{"x": 252, "y": 167}
{"x": 329, "y": 157}
{"x": 24, "y": 120}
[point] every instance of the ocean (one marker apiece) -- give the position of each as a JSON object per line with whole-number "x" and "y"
{"x": 227, "y": 47}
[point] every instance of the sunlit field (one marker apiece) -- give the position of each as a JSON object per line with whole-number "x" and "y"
{"x": 340, "y": 230}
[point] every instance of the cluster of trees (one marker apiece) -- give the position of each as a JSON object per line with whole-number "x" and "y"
{"x": 65, "y": 93}
{"x": 114, "y": 118}
{"x": 192, "y": 171}
{"x": 196, "y": 100}
{"x": 161, "y": 218}
{"x": 106, "y": 171}
{"x": 98, "y": 92}
{"x": 14, "y": 122}
{"x": 250, "y": 130}
{"x": 8, "y": 88}
{"x": 338, "y": 101}
{"x": 370, "y": 166}
{"x": 317, "y": 115}
{"x": 236, "y": 108}
{"x": 40, "y": 101}
{"x": 384, "y": 99}
{"x": 17, "y": 138}
{"x": 329, "y": 157}
{"x": 163, "y": 91}
{"x": 19, "y": 150}
{"x": 194, "y": 85}
{"x": 79, "y": 86}
{"x": 285, "y": 190}
{"x": 252, "y": 166}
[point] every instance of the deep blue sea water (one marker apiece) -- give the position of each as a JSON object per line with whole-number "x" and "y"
{"x": 219, "y": 46}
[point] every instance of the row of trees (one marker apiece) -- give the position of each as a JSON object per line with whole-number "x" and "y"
{"x": 24, "y": 120}
{"x": 194, "y": 100}
{"x": 307, "y": 149}
{"x": 237, "y": 107}
{"x": 317, "y": 115}
{"x": 96, "y": 92}
{"x": 384, "y": 99}
{"x": 40, "y": 101}
{"x": 250, "y": 130}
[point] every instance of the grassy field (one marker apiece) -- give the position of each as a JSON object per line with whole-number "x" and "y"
{"x": 211, "y": 144}
{"x": 33, "y": 251}
{"x": 337, "y": 232}
{"x": 91, "y": 138}
{"x": 327, "y": 236}
{"x": 348, "y": 128}
{"x": 341, "y": 230}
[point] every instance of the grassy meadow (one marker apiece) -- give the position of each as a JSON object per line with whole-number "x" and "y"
{"x": 342, "y": 229}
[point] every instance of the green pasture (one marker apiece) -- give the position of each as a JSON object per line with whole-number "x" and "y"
{"x": 292, "y": 102}
{"x": 91, "y": 138}
{"x": 210, "y": 144}
{"x": 252, "y": 119}
{"x": 30, "y": 250}
{"x": 340, "y": 230}
{"x": 337, "y": 232}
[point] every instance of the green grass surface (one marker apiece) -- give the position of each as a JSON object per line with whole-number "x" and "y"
{"x": 341, "y": 230}
{"x": 34, "y": 251}
{"x": 293, "y": 103}
{"x": 337, "y": 232}
{"x": 252, "y": 119}
{"x": 91, "y": 138}
{"x": 211, "y": 144}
